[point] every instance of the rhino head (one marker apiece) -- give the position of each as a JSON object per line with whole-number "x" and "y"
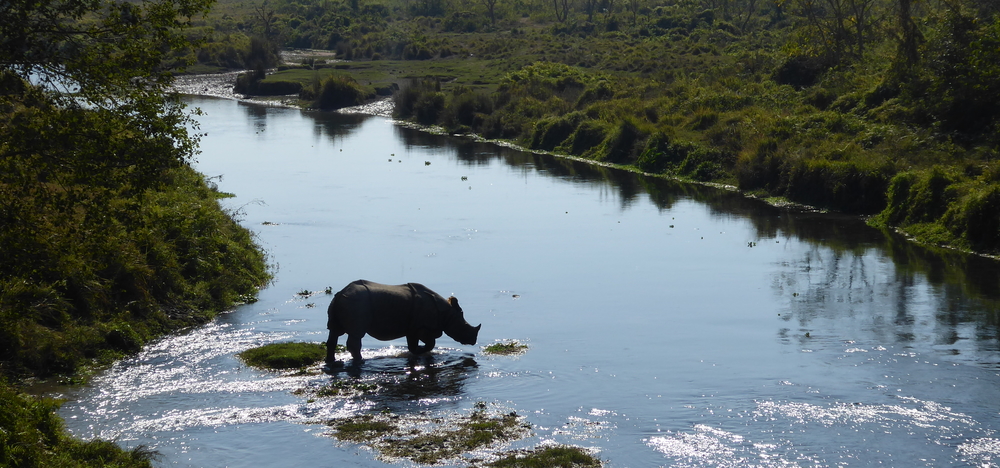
{"x": 457, "y": 328}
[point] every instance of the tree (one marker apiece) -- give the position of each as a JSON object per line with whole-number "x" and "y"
{"x": 491, "y": 10}
{"x": 561, "y": 8}
{"x": 633, "y": 7}
{"x": 100, "y": 63}
{"x": 910, "y": 37}
{"x": 107, "y": 236}
{"x": 844, "y": 28}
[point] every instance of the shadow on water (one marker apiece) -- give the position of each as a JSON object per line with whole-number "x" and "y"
{"x": 404, "y": 379}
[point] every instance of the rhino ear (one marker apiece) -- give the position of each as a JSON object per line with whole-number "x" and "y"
{"x": 454, "y": 302}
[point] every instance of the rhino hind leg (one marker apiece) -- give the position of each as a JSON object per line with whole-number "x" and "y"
{"x": 354, "y": 346}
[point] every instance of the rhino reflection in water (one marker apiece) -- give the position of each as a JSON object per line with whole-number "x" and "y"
{"x": 387, "y": 312}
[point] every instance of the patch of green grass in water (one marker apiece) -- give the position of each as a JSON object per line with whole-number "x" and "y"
{"x": 549, "y": 457}
{"x": 363, "y": 429}
{"x": 284, "y": 355}
{"x": 506, "y": 348}
{"x": 478, "y": 430}
{"x": 342, "y": 388}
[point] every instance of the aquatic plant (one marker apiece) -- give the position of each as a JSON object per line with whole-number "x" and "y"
{"x": 364, "y": 428}
{"x": 549, "y": 457}
{"x": 429, "y": 440}
{"x": 340, "y": 388}
{"x": 506, "y": 348}
{"x": 288, "y": 355}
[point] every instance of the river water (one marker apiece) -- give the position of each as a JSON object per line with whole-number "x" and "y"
{"x": 668, "y": 324}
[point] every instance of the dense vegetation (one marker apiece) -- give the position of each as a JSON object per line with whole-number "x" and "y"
{"x": 108, "y": 238}
{"x": 874, "y": 107}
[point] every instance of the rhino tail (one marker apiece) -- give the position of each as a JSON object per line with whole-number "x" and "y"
{"x": 332, "y": 320}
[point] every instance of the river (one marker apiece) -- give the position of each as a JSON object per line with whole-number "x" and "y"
{"x": 667, "y": 324}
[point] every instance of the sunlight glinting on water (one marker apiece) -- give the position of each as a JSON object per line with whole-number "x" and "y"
{"x": 178, "y": 420}
{"x": 706, "y": 446}
{"x": 183, "y": 364}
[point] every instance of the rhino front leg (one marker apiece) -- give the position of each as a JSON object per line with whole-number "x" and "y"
{"x": 413, "y": 343}
{"x": 354, "y": 346}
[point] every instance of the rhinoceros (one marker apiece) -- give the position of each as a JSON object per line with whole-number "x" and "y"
{"x": 387, "y": 312}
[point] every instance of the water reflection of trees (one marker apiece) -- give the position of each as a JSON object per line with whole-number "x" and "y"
{"x": 850, "y": 270}
{"x": 336, "y": 126}
{"x": 332, "y": 125}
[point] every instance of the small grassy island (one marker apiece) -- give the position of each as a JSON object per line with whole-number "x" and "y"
{"x": 284, "y": 355}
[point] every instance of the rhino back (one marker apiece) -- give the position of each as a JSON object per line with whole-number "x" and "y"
{"x": 384, "y": 312}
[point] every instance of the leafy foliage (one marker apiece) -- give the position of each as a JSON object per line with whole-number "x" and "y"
{"x": 32, "y": 435}
{"x": 109, "y": 237}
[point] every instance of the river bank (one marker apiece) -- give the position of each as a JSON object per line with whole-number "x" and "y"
{"x": 928, "y": 232}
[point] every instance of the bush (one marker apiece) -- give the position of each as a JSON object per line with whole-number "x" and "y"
{"x": 31, "y": 434}
{"x": 587, "y": 135}
{"x": 621, "y": 145}
{"x": 842, "y": 185}
{"x": 95, "y": 287}
{"x": 553, "y": 131}
{"x": 338, "y": 91}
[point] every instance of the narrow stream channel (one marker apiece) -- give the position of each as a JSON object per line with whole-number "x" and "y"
{"x": 667, "y": 324}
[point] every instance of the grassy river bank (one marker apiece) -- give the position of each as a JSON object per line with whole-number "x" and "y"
{"x": 888, "y": 112}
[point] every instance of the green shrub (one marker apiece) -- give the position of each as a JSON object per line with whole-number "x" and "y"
{"x": 31, "y": 434}
{"x": 553, "y": 131}
{"x": 549, "y": 457}
{"x": 918, "y": 196}
{"x": 842, "y": 185}
{"x": 760, "y": 168}
{"x": 621, "y": 145}
{"x": 79, "y": 287}
{"x": 976, "y": 218}
{"x": 338, "y": 91}
{"x": 587, "y": 135}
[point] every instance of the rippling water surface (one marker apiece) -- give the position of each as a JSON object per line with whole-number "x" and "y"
{"x": 667, "y": 324}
